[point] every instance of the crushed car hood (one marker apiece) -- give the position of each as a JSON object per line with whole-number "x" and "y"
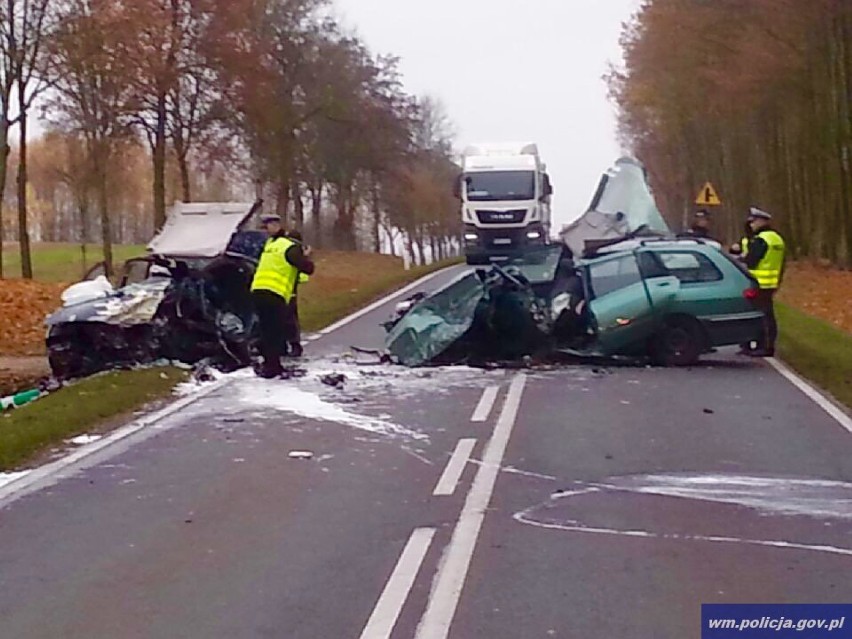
{"x": 436, "y": 323}
{"x": 129, "y": 306}
{"x": 200, "y": 229}
{"x": 623, "y": 204}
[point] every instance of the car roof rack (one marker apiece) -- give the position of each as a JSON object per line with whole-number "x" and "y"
{"x": 695, "y": 240}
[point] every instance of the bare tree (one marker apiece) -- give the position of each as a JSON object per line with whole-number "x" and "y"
{"x": 29, "y": 23}
{"x": 95, "y": 97}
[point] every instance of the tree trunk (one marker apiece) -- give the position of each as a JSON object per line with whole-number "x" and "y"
{"x": 4, "y": 159}
{"x": 298, "y": 206}
{"x": 377, "y": 218}
{"x": 316, "y": 213}
{"x": 183, "y": 167}
{"x": 159, "y": 159}
{"x": 100, "y": 162}
{"x": 23, "y": 231}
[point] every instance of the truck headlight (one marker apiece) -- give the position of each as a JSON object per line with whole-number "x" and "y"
{"x": 471, "y": 236}
{"x": 533, "y": 235}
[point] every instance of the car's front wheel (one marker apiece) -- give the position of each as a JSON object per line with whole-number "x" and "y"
{"x": 679, "y": 343}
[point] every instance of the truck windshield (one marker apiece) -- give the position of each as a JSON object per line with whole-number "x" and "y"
{"x": 496, "y": 186}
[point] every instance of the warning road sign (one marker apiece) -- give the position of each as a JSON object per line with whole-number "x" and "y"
{"x": 707, "y": 196}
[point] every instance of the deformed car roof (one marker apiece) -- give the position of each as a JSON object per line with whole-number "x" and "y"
{"x": 201, "y": 229}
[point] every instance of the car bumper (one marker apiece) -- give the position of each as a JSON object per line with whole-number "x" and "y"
{"x": 485, "y": 245}
{"x": 735, "y": 328}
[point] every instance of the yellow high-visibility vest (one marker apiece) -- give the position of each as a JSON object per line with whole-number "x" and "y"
{"x": 274, "y": 273}
{"x": 768, "y": 271}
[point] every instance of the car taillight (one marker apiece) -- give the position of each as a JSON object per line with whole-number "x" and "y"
{"x": 750, "y": 293}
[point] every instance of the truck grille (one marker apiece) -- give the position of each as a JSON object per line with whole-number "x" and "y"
{"x": 501, "y": 217}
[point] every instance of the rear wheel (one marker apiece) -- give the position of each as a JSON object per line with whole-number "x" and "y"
{"x": 679, "y": 343}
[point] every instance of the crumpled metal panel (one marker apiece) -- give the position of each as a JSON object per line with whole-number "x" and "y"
{"x": 436, "y": 323}
{"x": 622, "y": 204}
{"x": 129, "y": 306}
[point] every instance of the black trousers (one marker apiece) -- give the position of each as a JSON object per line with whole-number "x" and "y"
{"x": 274, "y": 315}
{"x": 765, "y": 302}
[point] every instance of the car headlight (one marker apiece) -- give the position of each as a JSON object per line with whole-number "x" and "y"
{"x": 533, "y": 235}
{"x": 471, "y": 236}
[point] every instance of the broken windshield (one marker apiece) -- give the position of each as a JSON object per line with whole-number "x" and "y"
{"x": 494, "y": 186}
{"x": 538, "y": 265}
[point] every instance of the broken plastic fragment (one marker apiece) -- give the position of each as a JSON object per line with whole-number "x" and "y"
{"x": 300, "y": 454}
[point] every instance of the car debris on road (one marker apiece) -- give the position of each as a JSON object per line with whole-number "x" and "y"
{"x": 187, "y": 301}
{"x": 635, "y": 291}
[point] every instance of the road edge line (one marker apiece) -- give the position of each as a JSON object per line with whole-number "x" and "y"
{"x": 49, "y": 473}
{"x": 449, "y": 580}
{"x": 812, "y": 392}
{"x": 385, "y": 614}
{"x": 378, "y": 303}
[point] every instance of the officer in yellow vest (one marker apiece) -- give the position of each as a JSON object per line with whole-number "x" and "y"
{"x": 765, "y": 260}
{"x": 273, "y": 288}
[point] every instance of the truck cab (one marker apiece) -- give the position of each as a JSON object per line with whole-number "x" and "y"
{"x": 505, "y": 193}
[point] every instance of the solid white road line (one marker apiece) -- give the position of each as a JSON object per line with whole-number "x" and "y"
{"x": 821, "y": 400}
{"x": 386, "y": 612}
{"x": 378, "y": 303}
{"x": 453, "y": 472}
{"x": 447, "y": 588}
{"x": 486, "y": 403}
{"x": 89, "y": 455}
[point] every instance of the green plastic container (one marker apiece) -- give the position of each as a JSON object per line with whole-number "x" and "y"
{"x": 16, "y": 401}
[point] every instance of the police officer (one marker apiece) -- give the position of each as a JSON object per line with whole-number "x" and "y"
{"x": 273, "y": 288}
{"x": 740, "y": 248}
{"x": 700, "y": 225}
{"x": 765, "y": 257}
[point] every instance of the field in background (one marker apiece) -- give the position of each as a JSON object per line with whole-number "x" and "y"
{"x": 60, "y": 262}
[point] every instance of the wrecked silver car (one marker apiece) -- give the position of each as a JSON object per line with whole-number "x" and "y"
{"x": 188, "y": 300}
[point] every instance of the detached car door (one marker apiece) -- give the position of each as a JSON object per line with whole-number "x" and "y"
{"x": 625, "y": 312}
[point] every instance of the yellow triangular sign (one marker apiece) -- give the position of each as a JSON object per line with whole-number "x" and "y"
{"x": 707, "y": 196}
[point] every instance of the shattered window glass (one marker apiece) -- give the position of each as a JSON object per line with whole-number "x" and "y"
{"x": 538, "y": 265}
{"x": 690, "y": 267}
{"x": 614, "y": 275}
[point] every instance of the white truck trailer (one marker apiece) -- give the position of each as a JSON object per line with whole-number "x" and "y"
{"x": 505, "y": 193}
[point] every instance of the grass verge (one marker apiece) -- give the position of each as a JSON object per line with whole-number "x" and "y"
{"x": 63, "y": 262}
{"x": 336, "y": 295}
{"x": 817, "y": 351}
{"x": 27, "y": 432}
{"x": 344, "y": 283}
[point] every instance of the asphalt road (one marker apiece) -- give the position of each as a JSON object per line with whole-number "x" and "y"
{"x": 584, "y": 501}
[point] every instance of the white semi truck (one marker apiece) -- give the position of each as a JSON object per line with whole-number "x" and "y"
{"x": 505, "y": 193}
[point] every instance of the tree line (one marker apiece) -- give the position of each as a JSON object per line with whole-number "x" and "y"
{"x": 754, "y": 96}
{"x": 151, "y": 101}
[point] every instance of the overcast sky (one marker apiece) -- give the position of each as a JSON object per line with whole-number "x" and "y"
{"x": 512, "y": 70}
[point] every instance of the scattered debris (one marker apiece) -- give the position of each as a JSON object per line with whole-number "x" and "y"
{"x": 20, "y": 399}
{"x": 337, "y": 380}
{"x": 709, "y": 411}
{"x": 82, "y": 440}
{"x": 300, "y": 454}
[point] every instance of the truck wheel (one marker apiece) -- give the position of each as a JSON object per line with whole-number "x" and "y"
{"x": 679, "y": 343}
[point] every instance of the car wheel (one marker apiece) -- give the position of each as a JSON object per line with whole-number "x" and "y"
{"x": 678, "y": 343}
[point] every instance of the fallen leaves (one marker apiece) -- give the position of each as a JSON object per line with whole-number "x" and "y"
{"x": 23, "y": 306}
{"x": 821, "y": 291}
